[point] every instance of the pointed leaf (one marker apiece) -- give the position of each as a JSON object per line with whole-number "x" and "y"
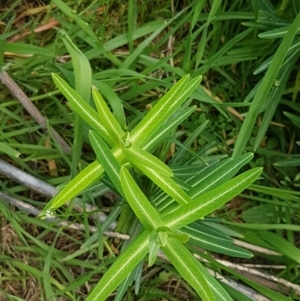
{"x": 86, "y": 177}
{"x": 136, "y": 154}
{"x": 214, "y": 243}
{"x": 108, "y": 120}
{"x": 188, "y": 267}
{"x": 211, "y": 200}
{"x": 79, "y": 105}
{"x": 163, "y": 110}
{"x": 146, "y": 213}
{"x": 123, "y": 265}
{"x": 110, "y": 164}
{"x": 166, "y": 183}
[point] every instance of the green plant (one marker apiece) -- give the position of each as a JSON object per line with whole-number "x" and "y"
{"x": 117, "y": 152}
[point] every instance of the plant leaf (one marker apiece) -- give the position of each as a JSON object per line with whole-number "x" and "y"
{"x": 146, "y": 213}
{"x": 164, "y": 109}
{"x": 122, "y": 266}
{"x": 166, "y": 183}
{"x": 108, "y": 120}
{"x": 110, "y": 164}
{"x": 211, "y": 200}
{"x": 79, "y": 105}
{"x": 188, "y": 267}
{"x": 135, "y": 154}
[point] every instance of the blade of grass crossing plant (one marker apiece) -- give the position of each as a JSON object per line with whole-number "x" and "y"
{"x": 121, "y": 268}
{"x": 188, "y": 267}
{"x": 136, "y": 154}
{"x": 264, "y": 88}
{"x": 86, "y": 177}
{"x": 282, "y": 245}
{"x": 167, "y": 127}
{"x": 108, "y": 120}
{"x": 146, "y": 213}
{"x": 114, "y": 100}
{"x": 82, "y": 24}
{"x": 202, "y": 43}
{"x": 110, "y": 164}
{"x": 181, "y": 152}
{"x": 275, "y": 97}
{"x": 166, "y": 183}
{"x": 136, "y": 53}
{"x": 83, "y": 82}
{"x": 163, "y": 110}
{"x": 210, "y": 201}
{"x": 82, "y": 108}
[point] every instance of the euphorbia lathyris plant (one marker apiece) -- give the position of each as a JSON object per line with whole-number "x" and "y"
{"x": 117, "y": 152}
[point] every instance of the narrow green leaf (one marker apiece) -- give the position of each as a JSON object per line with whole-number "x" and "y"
{"x": 153, "y": 248}
{"x": 167, "y": 127}
{"x": 83, "y": 82}
{"x": 188, "y": 267}
{"x": 146, "y": 213}
{"x": 6, "y": 149}
{"x": 282, "y": 245}
{"x": 264, "y": 88}
{"x": 23, "y": 48}
{"x": 86, "y": 177}
{"x": 81, "y": 23}
{"x": 113, "y": 99}
{"x": 211, "y": 200}
{"x": 123, "y": 265}
{"x": 135, "y": 154}
{"x": 108, "y": 120}
{"x": 164, "y": 109}
{"x": 110, "y": 164}
{"x": 214, "y": 243}
{"x": 79, "y": 105}
{"x": 166, "y": 183}
{"x": 288, "y": 163}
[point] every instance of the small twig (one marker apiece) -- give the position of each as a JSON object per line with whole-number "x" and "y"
{"x": 54, "y": 220}
{"x": 31, "y": 108}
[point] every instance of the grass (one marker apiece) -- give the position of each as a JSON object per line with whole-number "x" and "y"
{"x": 247, "y": 53}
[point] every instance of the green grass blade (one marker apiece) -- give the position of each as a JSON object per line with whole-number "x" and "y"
{"x": 264, "y": 88}
{"x": 214, "y": 243}
{"x": 82, "y": 108}
{"x": 282, "y": 245}
{"x": 135, "y": 154}
{"x": 123, "y": 265}
{"x": 145, "y": 212}
{"x": 22, "y": 48}
{"x": 110, "y": 164}
{"x": 108, "y": 120}
{"x": 188, "y": 267}
{"x": 165, "y": 130}
{"x": 82, "y": 24}
{"x": 83, "y": 82}
{"x": 211, "y": 200}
